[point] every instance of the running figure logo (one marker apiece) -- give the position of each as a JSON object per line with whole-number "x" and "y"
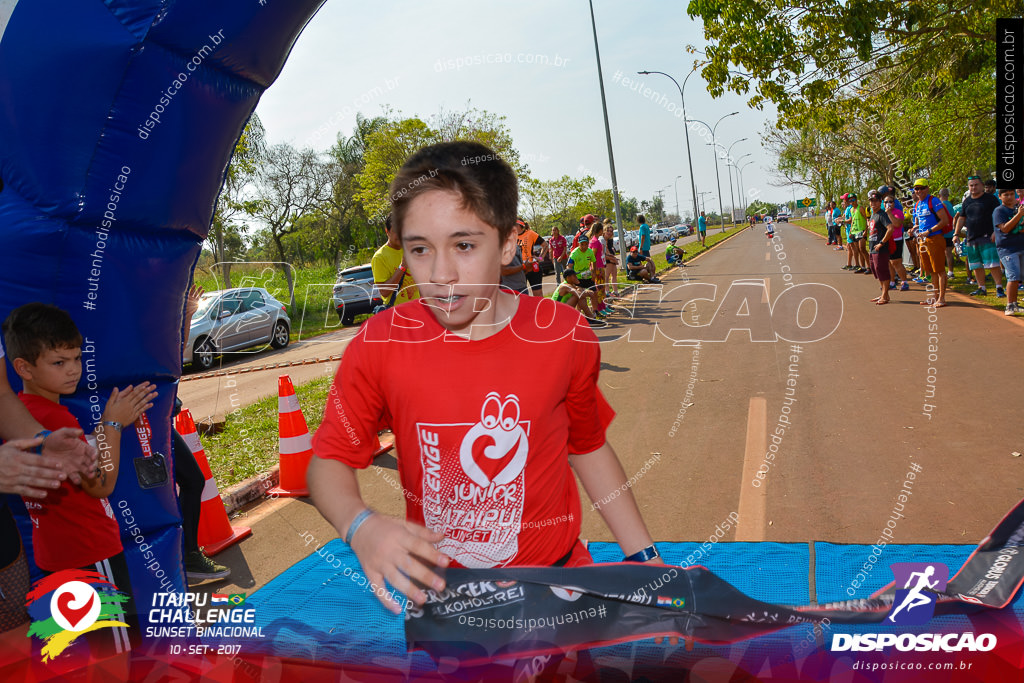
{"x": 915, "y": 603}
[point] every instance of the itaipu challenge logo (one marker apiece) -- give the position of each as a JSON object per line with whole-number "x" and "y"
{"x": 71, "y": 603}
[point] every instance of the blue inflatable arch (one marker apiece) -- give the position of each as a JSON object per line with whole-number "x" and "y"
{"x": 117, "y": 123}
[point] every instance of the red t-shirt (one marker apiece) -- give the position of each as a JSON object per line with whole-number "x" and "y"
{"x": 482, "y": 447}
{"x": 70, "y": 528}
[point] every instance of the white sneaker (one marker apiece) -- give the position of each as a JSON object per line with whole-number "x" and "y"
{"x": 1012, "y": 308}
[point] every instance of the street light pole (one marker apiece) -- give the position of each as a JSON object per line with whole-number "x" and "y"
{"x": 702, "y": 205}
{"x": 675, "y": 184}
{"x": 718, "y": 180}
{"x": 739, "y": 172}
{"x": 728, "y": 169}
{"x": 607, "y": 129}
{"x": 686, "y": 129}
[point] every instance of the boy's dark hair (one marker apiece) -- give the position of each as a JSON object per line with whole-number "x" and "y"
{"x": 641, "y": 219}
{"x": 484, "y": 181}
{"x": 35, "y": 328}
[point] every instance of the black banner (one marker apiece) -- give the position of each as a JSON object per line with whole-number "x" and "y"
{"x": 1010, "y": 103}
{"x": 486, "y": 614}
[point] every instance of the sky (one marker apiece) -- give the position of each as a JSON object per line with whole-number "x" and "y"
{"x": 534, "y": 63}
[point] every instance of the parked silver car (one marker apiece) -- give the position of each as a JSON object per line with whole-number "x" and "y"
{"x": 355, "y": 293}
{"x": 232, "y": 320}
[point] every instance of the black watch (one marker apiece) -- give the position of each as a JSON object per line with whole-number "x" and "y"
{"x": 648, "y": 553}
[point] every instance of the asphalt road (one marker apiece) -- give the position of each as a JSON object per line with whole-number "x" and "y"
{"x": 701, "y": 418}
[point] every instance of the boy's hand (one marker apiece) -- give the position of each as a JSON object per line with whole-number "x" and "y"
{"x": 26, "y": 474}
{"x": 125, "y": 405}
{"x": 74, "y": 456}
{"x": 402, "y": 553}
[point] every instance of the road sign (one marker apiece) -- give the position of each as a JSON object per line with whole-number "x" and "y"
{"x": 806, "y": 203}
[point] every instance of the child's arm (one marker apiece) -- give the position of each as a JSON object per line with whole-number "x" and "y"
{"x": 124, "y": 407}
{"x": 387, "y": 548}
{"x": 601, "y": 475}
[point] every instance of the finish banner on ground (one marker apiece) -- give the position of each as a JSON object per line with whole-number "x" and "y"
{"x": 487, "y": 614}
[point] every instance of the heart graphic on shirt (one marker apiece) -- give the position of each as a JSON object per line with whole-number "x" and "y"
{"x": 491, "y": 457}
{"x": 494, "y": 450}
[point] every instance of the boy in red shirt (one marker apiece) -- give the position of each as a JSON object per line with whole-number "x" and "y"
{"x": 486, "y": 455}
{"x": 73, "y": 527}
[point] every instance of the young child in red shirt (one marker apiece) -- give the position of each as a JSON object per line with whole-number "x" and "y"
{"x": 486, "y": 454}
{"x": 74, "y": 526}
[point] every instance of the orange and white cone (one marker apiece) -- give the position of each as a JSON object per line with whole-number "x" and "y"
{"x": 295, "y": 443}
{"x": 215, "y": 531}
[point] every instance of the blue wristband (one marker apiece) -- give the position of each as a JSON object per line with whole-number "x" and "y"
{"x": 356, "y": 523}
{"x": 44, "y": 433}
{"x": 648, "y": 553}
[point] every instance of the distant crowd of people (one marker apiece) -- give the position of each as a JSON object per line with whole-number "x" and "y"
{"x": 586, "y": 265}
{"x": 921, "y": 244}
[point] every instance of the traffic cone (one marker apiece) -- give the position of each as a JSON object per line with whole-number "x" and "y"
{"x": 295, "y": 443}
{"x": 215, "y": 531}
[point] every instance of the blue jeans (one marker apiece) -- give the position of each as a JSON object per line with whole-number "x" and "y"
{"x": 559, "y": 269}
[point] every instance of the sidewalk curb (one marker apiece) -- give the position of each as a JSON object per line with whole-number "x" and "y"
{"x": 248, "y": 490}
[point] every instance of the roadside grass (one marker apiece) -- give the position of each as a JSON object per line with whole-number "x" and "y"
{"x": 957, "y": 284}
{"x": 249, "y": 443}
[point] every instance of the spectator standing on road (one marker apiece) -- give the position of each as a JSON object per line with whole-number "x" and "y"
{"x": 830, "y": 224}
{"x": 950, "y": 231}
{"x": 1007, "y": 219}
{"x": 857, "y": 225}
{"x": 894, "y": 209}
{"x": 512, "y": 275}
{"x": 611, "y": 261}
{"x": 881, "y": 227}
{"x": 644, "y": 236}
{"x": 837, "y": 215}
{"x": 531, "y": 264}
{"x": 558, "y": 246}
{"x": 702, "y": 229}
{"x": 389, "y": 269}
{"x": 930, "y": 222}
{"x": 976, "y": 215}
{"x": 596, "y": 243}
{"x": 581, "y": 234}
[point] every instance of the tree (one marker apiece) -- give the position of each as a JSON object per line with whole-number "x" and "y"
{"x": 566, "y": 199}
{"x": 225, "y": 236}
{"x": 398, "y": 138}
{"x": 344, "y": 214}
{"x": 807, "y": 56}
{"x": 289, "y": 184}
{"x": 759, "y": 206}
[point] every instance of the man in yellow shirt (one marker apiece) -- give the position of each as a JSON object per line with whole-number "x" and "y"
{"x": 388, "y": 269}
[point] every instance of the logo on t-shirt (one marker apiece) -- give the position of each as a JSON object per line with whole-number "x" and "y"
{"x": 66, "y": 604}
{"x": 473, "y": 482}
